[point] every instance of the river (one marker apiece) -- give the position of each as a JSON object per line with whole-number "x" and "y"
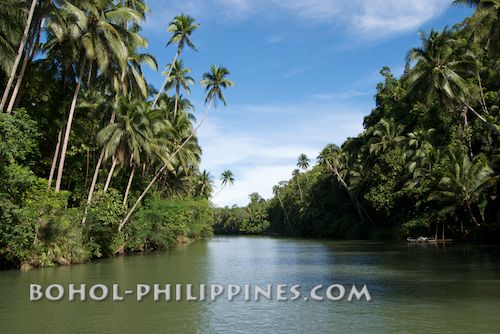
{"x": 414, "y": 288}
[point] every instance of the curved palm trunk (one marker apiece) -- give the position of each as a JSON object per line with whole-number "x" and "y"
{"x": 54, "y": 159}
{"x": 358, "y": 205}
{"x": 68, "y": 129}
{"x": 20, "y": 52}
{"x": 29, "y": 55}
{"x": 482, "y": 119}
{"x": 217, "y": 193}
{"x": 129, "y": 184}
{"x": 177, "y": 54}
{"x": 110, "y": 174}
{"x": 162, "y": 169}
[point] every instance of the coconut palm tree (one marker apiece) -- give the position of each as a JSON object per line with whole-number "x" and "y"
{"x": 203, "y": 185}
{"x": 20, "y": 53}
{"x": 181, "y": 27}
{"x": 226, "y": 178}
{"x": 214, "y": 82}
{"x": 129, "y": 138}
{"x": 387, "y": 135}
{"x": 12, "y": 23}
{"x": 438, "y": 72}
{"x": 486, "y": 22}
{"x": 179, "y": 78}
{"x": 463, "y": 182}
{"x": 303, "y": 162}
{"x": 97, "y": 31}
{"x": 331, "y": 157}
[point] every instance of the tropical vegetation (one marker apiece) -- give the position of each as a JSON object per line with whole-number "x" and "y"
{"x": 95, "y": 161}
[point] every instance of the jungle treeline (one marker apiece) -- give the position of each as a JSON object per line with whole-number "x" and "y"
{"x": 426, "y": 163}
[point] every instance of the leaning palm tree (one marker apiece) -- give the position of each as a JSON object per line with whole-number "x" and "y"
{"x": 463, "y": 182}
{"x": 20, "y": 53}
{"x": 331, "y": 157}
{"x": 179, "y": 78}
{"x": 181, "y": 27}
{"x": 214, "y": 82}
{"x": 226, "y": 178}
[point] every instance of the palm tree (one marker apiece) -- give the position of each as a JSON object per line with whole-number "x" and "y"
{"x": 181, "y": 27}
{"x": 227, "y": 178}
{"x": 20, "y": 53}
{"x": 179, "y": 78}
{"x": 303, "y": 162}
{"x": 331, "y": 157}
{"x": 463, "y": 182}
{"x": 99, "y": 32}
{"x": 486, "y": 22}
{"x": 213, "y": 81}
{"x": 203, "y": 185}
{"x": 12, "y": 21}
{"x": 387, "y": 134}
{"x": 129, "y": 139}
{"x": 438, "y": 72}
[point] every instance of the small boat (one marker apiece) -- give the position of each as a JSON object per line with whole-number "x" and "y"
{"x": 420, "y": 240}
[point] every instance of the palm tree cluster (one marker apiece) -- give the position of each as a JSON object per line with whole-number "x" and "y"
{"x": 76, "y": 68}
{"x": 427, "y": 162}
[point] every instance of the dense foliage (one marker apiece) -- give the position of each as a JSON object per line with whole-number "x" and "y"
{"x": 93, "y": 160}
{"x": 427, "y": 162}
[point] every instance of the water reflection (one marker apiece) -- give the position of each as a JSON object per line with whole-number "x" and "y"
{"x": 430, "y": 289}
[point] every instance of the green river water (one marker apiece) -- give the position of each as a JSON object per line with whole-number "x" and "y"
{"x": 415, "y": 288}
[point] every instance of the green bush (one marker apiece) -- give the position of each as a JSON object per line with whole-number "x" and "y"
{"x": 161, "y": 223}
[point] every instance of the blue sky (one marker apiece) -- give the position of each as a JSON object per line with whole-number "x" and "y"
{"x": 305, "y": 73}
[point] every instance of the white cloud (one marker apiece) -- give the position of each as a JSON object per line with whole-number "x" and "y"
{"x": 374, "y": 19}
{"x": 264, "y": 151}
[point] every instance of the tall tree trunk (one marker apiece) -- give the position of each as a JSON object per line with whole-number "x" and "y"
{"x": 129, "y": 184}
{"x": 54, "y": 158}
{"x": 27, "y": 58}
{"x": 20, "y": 52}
{"x": 176, "y": 103}
{"x": 110, "y": 175}
{"x": 94, "y": 178}
{"x": 300, "y": 190}
{"x": 284, "y": 211}
{"x": 466, "y": 132}
{"x": 162, "y": 169}
{"x": 177, "y": 54}
{"x": 68, "y": 129}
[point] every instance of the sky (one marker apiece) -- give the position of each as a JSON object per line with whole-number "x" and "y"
{"x": 305, "y": 73}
